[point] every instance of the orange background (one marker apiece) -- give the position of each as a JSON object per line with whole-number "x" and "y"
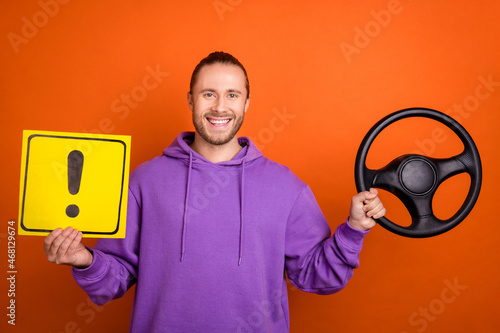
{"x": 321, "y": 74}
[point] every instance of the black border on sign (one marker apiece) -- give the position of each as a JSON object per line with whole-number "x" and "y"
{"x": 74, "y": 138}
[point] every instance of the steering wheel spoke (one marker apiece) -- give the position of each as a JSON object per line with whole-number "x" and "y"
{"x": 419, "y": 207}
{"x": 448, "y": 167}
{"x": 423, "y": 224}
{"x": 386, "y": 178}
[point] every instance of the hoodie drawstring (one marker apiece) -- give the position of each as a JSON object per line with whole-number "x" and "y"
{"x": 186, "y": 200}
{"x": 242, "y": 201}
{"x": 184, "y": 218}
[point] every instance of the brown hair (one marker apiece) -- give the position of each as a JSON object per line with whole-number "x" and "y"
{"x": 221, "y": 58}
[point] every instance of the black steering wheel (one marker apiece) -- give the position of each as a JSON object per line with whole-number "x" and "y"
{"x": 414, "y": 178}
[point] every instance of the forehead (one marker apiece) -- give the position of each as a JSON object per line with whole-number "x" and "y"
{"x": 221, "y": 77}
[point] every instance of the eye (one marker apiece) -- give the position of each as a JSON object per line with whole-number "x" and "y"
{"x": 209, "y": 95}
{"x": 232, "y": 95}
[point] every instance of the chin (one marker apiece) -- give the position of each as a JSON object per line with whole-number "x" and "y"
{"x": 217, "y": 140}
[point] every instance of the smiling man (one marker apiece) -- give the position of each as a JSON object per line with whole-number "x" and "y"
{"x": 218, "y": 99}
{"x": 214, "y": 227}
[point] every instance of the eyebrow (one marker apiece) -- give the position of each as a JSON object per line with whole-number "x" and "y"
{"x": 229, "y": 90}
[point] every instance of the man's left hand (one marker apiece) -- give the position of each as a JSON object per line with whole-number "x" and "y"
{"x": 365, "y": 206}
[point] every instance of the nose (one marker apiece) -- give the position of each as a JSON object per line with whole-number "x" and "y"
{"x": 219, "y": 105}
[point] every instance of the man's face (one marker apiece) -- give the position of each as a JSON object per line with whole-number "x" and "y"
{"x": 219, "y": 102}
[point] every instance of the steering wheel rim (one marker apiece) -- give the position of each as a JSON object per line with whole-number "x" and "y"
{"x": 415, "y": 178}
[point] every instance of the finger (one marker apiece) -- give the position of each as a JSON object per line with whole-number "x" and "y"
{"x": 371, "y": 204}
{"x": 47, "y": 243}
{"x": 76, "y": 242}
{"x": 59, "y": 240}
{"x": 380, "y": 213}
{"x": 55, "y": 243}
{"x": 375, "y": 210}
{"x": 368, "y": 196}
{"x": 362, "y": 198}
{"x": 63, "y": 248}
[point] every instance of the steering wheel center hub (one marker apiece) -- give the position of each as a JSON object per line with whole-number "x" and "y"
{"x": 418, "y": 176}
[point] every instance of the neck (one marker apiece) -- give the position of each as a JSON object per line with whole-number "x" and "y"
{"x": 216, "y": 153}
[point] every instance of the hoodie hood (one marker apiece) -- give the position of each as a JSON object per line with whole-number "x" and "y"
{"x": 180, "y": 149}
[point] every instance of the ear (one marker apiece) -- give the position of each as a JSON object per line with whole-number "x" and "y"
{"x": 247, "y": 103}
{"x": 190, "y": 101}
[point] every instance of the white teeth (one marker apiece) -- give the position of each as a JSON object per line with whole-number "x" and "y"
{"x": 214, "y": 121}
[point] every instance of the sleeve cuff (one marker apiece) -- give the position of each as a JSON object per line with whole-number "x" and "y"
{"x": 349, "y": 236}
{"x": 94, "y": 271}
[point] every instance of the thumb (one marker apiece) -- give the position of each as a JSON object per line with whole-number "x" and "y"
{"x": 370, "y": 195}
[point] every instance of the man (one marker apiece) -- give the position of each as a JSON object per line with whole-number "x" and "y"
{"x": 213, "y": 227}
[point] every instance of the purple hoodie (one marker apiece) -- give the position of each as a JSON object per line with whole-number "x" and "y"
{"x": 209, "y": 244}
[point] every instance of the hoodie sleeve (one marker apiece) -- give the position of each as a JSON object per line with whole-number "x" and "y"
{"x": 114, "y": 267}
{"x": 314, "y": 261}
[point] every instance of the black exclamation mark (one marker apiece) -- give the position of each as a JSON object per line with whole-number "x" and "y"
{"x": 75, "y": 167}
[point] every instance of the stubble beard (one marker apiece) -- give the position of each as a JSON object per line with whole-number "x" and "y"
{"x": 217, "y": 140}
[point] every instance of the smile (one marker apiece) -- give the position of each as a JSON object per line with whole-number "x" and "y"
{"x": 219, "y": 121}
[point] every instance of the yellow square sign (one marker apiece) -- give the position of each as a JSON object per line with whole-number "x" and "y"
{"x": 74, "y": 179}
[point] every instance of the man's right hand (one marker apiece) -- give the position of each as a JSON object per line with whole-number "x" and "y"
{"x": 65, "y": 247}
